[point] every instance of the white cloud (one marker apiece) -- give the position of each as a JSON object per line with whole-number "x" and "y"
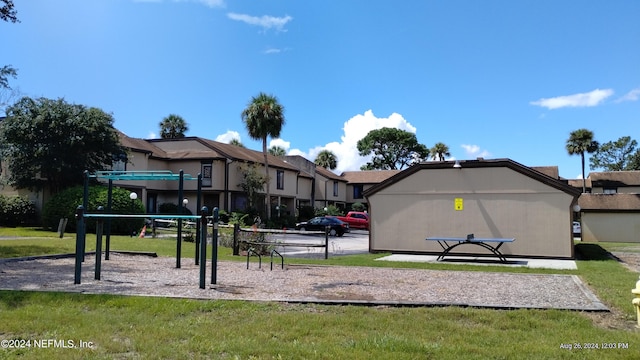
{"x": 355, "y": 129}
{"x": 281, "y": 143}
{"x": 593, "y": 98}
{"x": 152, "y": 135}
{"x": 474, "y": 151}
{"x": 228, "y": 136}
{"x": 265, "y": 21}
{"x": 632, "y": 95}
{"x": 272, "y": 51}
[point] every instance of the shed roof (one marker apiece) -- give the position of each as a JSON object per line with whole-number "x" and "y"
{"x": 480, "y": 163}
{"x": 609, "y": 202}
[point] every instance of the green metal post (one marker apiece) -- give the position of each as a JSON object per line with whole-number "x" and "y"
{"x": 326, "y": 242}
{"x": 180, "y": 197}
{"x": 236, "y": 243}
{"x": 203, "y": 245}
{"x": 99, "y": 227}
{"x": 199, "y": 224}
{"x": 79, "y": 244}
{"x": 85, "y": 205}
{"x": 214, "y": 247}
{"x": 108, "y": 222}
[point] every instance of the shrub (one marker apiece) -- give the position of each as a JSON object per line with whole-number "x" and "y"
{"x": 171, "y": 208}
{"x": 223, "y": 216}
{"x": 65, "y": 203}
{"x": 239, "y": 218}
{"x": 358, "y": 206}
{"x": 16, "y": 210}
{"x": 306, "y": 212}
{"x": 330, "y": 210}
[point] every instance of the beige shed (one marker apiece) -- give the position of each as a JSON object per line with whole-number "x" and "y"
{"x": 488, "y": 198}
{"x": 610, "y": 217}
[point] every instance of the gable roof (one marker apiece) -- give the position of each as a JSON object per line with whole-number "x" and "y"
{"x": 615, "y": 178}
{"x": 609, "y": 202}
{"x": 577, "y": 183}
{"x": 368, "y": 176}
{"x": 140, "y": 145}
{"x": 328, "y": 174}
{"x": 480, "y": 163}
{"x": 210, "y": 149}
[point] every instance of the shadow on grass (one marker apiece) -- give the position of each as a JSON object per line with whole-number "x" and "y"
{"x": 592, "y": 252}
{"x": 14, "y": 299}
{"x": 25, "y": 250}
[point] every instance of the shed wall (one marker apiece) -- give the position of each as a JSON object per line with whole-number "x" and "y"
{"x": 611, "y": 227}
{"x": 497, "y": 202}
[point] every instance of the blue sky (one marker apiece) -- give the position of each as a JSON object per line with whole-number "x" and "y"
{"x": 492, "y": 78}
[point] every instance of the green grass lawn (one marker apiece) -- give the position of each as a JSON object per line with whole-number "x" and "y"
{"x": 123, "y": 327}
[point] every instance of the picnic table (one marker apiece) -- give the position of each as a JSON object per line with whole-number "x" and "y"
{"x": 450, "y": 243}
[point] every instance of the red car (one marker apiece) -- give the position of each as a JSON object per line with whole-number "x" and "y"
{"x": 355, "y": 219}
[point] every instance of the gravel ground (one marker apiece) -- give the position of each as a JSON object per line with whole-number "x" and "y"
{"x": 149, "y": 276}
{"x": 629, "y": 259}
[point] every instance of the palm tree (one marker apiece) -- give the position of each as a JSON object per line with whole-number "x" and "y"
{"x": 580, "y": 141}
{"x": 173, "y": 127}
{"x": 264, "y": 117}
{"x": 236, "y": 142}
{"x": 327, "y": 159}
{"x": 439, "y": 151}
{"x": 277, "y": 151}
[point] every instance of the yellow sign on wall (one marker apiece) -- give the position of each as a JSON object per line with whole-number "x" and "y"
{"x": 458, "y": 204}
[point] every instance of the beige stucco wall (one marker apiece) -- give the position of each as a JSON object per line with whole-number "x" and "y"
{"x": 305, "y": 186}
{"x": 497, "y": 202}
{"x": 611, "y": 227}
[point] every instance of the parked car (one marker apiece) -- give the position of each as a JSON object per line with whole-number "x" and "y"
{"x": 355, "y": 219}
{"x": 338, "y": 228}
{"x": 577, "y": 229}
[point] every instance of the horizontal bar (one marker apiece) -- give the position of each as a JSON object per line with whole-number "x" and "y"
{"x": 140, "y": 175}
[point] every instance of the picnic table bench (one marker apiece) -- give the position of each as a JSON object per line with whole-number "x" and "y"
{"x": 254, "y": 244}
{"x": 450, "y": 243}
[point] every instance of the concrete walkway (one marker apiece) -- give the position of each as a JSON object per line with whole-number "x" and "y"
{"x": 483, "y": 261}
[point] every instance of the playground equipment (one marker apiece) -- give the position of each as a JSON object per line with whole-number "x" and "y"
{"x": 101, "y": 215}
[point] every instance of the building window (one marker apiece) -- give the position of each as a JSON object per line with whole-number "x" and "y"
{"x": 357, "y": 191}
{"x": 207, "y": 174}
{"x": 335, "y": 188}
{"x": 610, "y": 190}
{"x": 280, "y": 176}
{"x": 119, "y": 163}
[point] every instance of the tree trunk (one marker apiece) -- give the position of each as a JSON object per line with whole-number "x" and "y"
{"x": 584, "y": 181}
{"x": 266, "y": 172}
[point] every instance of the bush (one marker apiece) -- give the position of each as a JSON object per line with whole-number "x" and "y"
{"x": 171, "y": 208}
{"x": 65, "y": 203}
{"x": 358, "y": 207}
{"x": 16, "y": 210}
{"x": 223, "y": 217}
{"x": 331, "y": 210}
{"x": 240, "y": 218}
{"x": 306, "y": 212}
